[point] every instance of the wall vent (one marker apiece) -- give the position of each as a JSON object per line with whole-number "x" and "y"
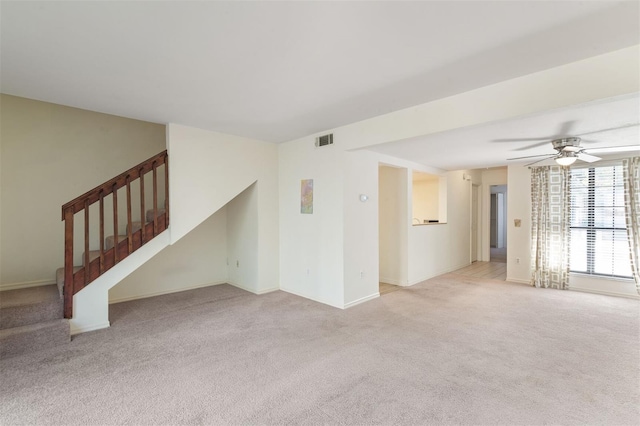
{"x": 324, "y": 140}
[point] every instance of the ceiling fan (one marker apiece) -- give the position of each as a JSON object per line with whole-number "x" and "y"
{"x": 568, "y": 148}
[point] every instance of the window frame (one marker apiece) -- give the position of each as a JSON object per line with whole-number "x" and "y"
{"x": 591, "y": 229}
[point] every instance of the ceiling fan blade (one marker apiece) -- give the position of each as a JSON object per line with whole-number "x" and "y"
{"x": 533, "y": 156}
{"x": 523, "y": 139}
{"x": 524, "y": 148}
{"x": 588, "y": 158}
{"x": 540, "y": 161}
{"x": 614, "y": 149}
{"x": 624, "y": 126}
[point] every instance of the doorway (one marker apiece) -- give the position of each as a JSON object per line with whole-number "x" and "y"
{"x": 498, "y": 224}
{"x": 393, "y": 218}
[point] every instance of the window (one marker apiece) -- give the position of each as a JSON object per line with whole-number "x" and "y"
{"x": 599, "y": 243}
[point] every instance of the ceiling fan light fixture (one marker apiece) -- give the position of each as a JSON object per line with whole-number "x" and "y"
{"x": 567, "y": 158}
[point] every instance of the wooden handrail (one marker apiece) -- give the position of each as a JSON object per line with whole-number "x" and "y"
{"x": 74, "y": 281}
{"x": 77, "y": 204}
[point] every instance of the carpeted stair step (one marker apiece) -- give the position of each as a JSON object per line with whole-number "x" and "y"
{"x": 110, "y": 240}
{"x": 29, "y": 338}
{"x": 29, "y": 306}
{"x": 150, "y": 214}
{"x": 60, "y": 278}
{"x": 93, "y": 255}
{"x": 135, "y": 226}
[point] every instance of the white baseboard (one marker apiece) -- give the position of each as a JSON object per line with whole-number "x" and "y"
{"x": 160, "y": 293}
{"x": 25, "y": 284}
{"x": 86, "y": 328}
{"x": 245, "y": 288}
{"x": 324, "y": 302}
{"x": 268, "y": 290}
{"x": 517, "y": 280}
{"x": 606, "y": 293}
{"x": 362, "y": 300}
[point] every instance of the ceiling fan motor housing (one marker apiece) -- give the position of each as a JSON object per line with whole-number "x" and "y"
{"x": 566, "y": 144}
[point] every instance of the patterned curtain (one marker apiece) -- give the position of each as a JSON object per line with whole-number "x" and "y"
{"x": 631, "y": 176}
{"x": 550, "y": 227}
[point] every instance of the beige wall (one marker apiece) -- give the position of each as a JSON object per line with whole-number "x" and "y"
{"x": 426, "y": 200}
{"x": 50, "y": 154}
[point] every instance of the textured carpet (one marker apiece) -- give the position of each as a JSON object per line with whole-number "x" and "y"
{"x": 451, "y": 350}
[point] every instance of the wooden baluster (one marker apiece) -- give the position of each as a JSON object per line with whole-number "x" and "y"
{"x": 143, "y": 218}
{"x": 86, "y": 243}
{"x": 166, "y": 191}
{"x": 97, "y": 195}
{"x": 101, "y": 232}
{"x": 115, "y": 224}
{"x": 68, "y": 263}
{"x": 129, "y": 223}
{"x": 155, "y": 199}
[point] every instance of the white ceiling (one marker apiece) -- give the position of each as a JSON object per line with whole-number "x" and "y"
{"x": 277, "y": 71}
{"x": 492, "y": 144}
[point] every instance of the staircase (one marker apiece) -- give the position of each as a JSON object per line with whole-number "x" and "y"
{"x": 35, "y": 318}
{"x": 31, "y": 319}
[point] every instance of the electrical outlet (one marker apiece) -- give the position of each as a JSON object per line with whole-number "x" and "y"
{"x": 361, "y": 274}
{"x": 307, "y": 271}
{"x": 237, "y": 263}
{"x": 517, "y": 260}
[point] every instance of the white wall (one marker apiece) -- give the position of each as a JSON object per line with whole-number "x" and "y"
{"x": 197, "y": 260}
{"x": 242, "y": 240}
{"x": 361, "y": 225}
{"x": 519, "y": 238}
{"x": 393, "y": 227}
{"x": 312, "y": 245}
{"x": 439, "y": 248}
{"x": 50, "y": 155}
{"x": 209, "y": 169}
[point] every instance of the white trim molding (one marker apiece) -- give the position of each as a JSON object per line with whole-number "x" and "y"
{"x": 25, "y": 284}
{"x": 86, "y": 328}
{"x": 361, "y": 300}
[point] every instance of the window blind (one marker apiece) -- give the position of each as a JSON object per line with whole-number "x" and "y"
{"x": 599, "y": 243}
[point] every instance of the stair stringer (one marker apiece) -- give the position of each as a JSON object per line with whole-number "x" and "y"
{"x": 91, "y": 304}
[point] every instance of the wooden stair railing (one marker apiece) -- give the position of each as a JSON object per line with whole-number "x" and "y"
{"x": 92, "y": 269}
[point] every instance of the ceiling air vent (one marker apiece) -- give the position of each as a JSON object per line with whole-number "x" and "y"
{"x": 324, "y": 140}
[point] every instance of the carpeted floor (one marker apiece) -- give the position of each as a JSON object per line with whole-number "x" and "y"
{"x": 451, "y": 350}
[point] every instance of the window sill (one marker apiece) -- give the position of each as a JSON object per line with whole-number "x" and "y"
{"x": 600, "y": 277}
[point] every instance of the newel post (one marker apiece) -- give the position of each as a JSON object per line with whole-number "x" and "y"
{"x": 68, "y": 262}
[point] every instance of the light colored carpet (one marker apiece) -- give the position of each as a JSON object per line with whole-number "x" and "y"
{"x": 451, "y": 350}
